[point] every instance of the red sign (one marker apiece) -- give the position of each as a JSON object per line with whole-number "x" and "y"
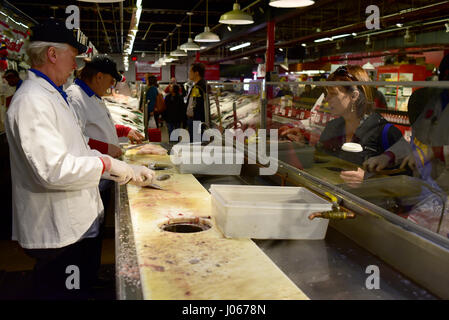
{"x": 212, "y": 72}
{"x": 144, "y": 67}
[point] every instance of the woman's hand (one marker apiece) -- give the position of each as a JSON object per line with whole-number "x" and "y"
{"x": 377, "y": 163}
{"x": 353, "y": 178}
{"x": 293, "y": 134}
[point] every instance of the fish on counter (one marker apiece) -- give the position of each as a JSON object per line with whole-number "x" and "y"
{"x": 152, "y": 149}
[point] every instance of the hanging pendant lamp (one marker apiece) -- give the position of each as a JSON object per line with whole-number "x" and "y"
{"x": 207, "y": 35}
{"x": 236, "y": 16}
{"x": 190, "y": 45}
{"x": 291, "y": 3}
{"x": 170, "y": 56}
{"x": 178, "y": 52}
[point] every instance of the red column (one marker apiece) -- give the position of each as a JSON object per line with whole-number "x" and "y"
{"x": 172, "y": 71}
{"x": 197, "y": 57}
{"x": 270, "y": 46}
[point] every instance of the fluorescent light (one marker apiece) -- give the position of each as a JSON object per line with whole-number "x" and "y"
{"x": 322, "y": 40}
{"x": 341, "y": 36}
{"x": 303, "y": 44}
{"x": 240, "y": 46}
{"x": 333, "y": 38}
{"x": 291, "y": 3}
{"x": 229, "y": 28}
{"x": 354, "y": 34}
{"x": 399, "y": 25}
{"x": 280, "y": 49}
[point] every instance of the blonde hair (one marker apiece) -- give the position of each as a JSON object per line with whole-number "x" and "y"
{"x": 37, "y": 51}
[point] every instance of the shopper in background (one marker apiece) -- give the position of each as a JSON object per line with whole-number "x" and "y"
{"x": 151, "y": 96}
{"x": 356, "y": 123}
{"x": 12, "y": 77}
{"x": 196, "y": 99}
{"x": 56, "y": 203}
{"x": 175, "y": 111}
{"x": 172, "y": 83}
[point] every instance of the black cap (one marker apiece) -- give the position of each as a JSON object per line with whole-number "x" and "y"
{"x": 53, "y": 31}
{"x": 103, "y": 64}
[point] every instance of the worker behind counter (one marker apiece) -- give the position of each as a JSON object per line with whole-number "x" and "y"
{"x": 356, "y": 123}
{"x": 57, "y": 209}
{"x": 85, "y": 94}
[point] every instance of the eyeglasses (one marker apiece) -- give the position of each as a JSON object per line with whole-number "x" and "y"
{"x": 343, "y": 72}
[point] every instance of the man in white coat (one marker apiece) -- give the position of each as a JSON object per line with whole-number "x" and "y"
{"x": 56, "y": 202}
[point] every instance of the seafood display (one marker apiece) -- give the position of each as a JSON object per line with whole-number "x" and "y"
{"x": 248, "y": 109}
{"x": 125, "y": 111}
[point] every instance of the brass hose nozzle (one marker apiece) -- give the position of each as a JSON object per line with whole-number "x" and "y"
{"x": 334, "y": 215}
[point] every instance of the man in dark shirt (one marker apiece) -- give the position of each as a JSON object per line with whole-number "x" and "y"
{"x": 195, "y": 101}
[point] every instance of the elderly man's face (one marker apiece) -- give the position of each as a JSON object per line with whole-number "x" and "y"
{"x": 65, "y": 64}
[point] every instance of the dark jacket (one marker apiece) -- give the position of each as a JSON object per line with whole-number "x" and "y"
{"x": 151, "y": 96}
{"x": 370, "y": 135}
{"x": 175, "y": 108}
{"x": 198, "y": 102}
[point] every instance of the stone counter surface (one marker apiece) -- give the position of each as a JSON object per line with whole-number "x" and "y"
{"x": 202, "y": 265}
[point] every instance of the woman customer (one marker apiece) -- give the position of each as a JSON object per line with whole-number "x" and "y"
{"x": 151, "y": 96}
{"x": 356, "y": 122}
{"x": 174, "y": 114}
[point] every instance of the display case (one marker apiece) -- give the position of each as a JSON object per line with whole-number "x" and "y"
{"x": 404, "y": 206}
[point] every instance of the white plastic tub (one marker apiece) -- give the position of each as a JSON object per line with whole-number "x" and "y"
{"x": 261, "y": 212}
{"x": 193, "y": 160}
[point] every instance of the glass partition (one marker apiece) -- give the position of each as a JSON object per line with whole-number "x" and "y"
{"x": 384, "y": 141}
{"x": 235, "y": 105}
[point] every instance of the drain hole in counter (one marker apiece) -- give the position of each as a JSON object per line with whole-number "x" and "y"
{"x": 159, "y": 166}
{"x": 185, "y": 225}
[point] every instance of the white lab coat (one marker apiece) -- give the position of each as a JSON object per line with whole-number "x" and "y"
{"x": 95, "y": 118}
{"x": 55, "y": 174}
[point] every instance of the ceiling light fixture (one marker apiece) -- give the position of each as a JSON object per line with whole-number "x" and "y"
{"x": 190, "y": 45}
{"x": 240, "y": 46}
{"x": 291, "y": 3}
{"x": 178, "y": 52}
{"x": 207, "y": 35}
{"x": 236, "y": 16}
{"x": 101, "y": 1}
{"x": 229, "y": 28}
{"x": 170, "y": 56}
